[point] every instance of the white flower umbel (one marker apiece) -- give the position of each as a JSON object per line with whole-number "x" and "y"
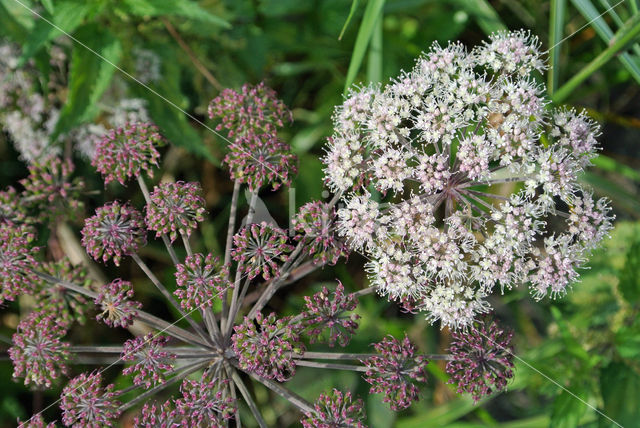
{"x": 457, "y": 182}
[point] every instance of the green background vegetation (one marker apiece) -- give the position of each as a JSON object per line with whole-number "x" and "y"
{"x": 588, "y": 342}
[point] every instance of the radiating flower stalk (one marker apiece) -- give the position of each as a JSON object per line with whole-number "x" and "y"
{"x": 445, "y": 153}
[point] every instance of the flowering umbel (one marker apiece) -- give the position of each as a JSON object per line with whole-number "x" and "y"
{"x": 114, "y": 231}
{"x": 482, "y": 359}
{"x": 394, "y": 370}
{"x": 315, "y": 223}
{"x": 125, "y": 151}
{"x": 38, "y": 353}
{"x": 447, "y": 139}
{"x": 175, "y": 208}
{"x": 335, "y": 410}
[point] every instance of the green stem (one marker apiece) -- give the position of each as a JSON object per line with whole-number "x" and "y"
{"x": 620, "y": 40}
{"x": 247, "y": 398}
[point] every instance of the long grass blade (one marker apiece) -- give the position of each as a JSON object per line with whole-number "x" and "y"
{"x": 556, "y": 26}
{"x": 371, "y": 14}
{"x": 620, "y": 41}
{"x": 354, "y": 7}
{"x": 374, "y": 64}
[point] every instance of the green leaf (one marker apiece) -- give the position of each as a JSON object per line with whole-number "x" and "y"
{"x": 628, "y": 341}
{"x": 556, "y": 26}
{"x": 567, "y": 409}
{"x": 440, "y": 415}
{"x": 621, "y": 198}
{"x": 629, "y": 276}
{"x": 596, "y": 20}
{"x": 67, "y": 16}
{"x": 374, "y": 64}
{"x": 89, "y": 76}
{"x": 485, "y": 15}
{"x": 168, "y": 115}
{"x": 606, "y": 163}
{"x": 183, "y": 8}
{"x": 352, "y": 11}
{"x": 48, "y": 5}
{"x": 619, "y": 42}
{"x": 371, "y": 14}
{"x": 620, "y": 386}
{"x": 379, "y": 413}
{"x": 9, "y": 26}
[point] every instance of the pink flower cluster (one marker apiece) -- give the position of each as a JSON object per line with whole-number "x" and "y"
{"x": 151, "y": 361}
{"x": 199, "y": 280}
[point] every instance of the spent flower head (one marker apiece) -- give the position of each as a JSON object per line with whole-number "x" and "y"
{"x": 125, "y": 151}
{"x": 175, "y": 208}
{"x": 395, "y": 371}
{"x": 482, "y": 359}
{"x": 114, "y": 300}
{"x": 328, "y": 316}
{"x": 267, "y": 346}
{"x": 151, "y": 361}
{"x": 335, "y": 410}
{"x": 38, "y": 353}
{"x": 114, "y": 231}
{"x": 86, "y": 403}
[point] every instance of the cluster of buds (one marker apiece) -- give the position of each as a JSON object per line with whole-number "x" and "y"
{"x": 267, "y": 346}
{"x": 251, "y": 117}
{"x": 448, "y": 140}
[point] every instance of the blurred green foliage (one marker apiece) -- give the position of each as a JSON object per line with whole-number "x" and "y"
{"x": 310, "y": 51}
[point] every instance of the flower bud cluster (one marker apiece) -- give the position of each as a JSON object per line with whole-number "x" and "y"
{"x": 482, "y": 359}
{"x": 114, "y": 299}
{"x": 315, "y": 224}
{"x": 261, "y": 249}
{"x": 335, "y": 410}
{"x": 151, "y": 361}
{"x": 86, "y": 403}
{"x": 328, "y": 316}
{"x": 175, "y": 208}
{"x": 199, "y": 279}
{"x": 394, "y": 371}
{"x": 267, "y": 346}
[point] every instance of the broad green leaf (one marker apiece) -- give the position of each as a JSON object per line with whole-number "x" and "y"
{"x": 620, "y": 386}
{"x": 556, "y": 26}
{"x": 567, "y": 409}
{"x": 371, "y": 14}
{"x": 184, "y": 8}
{"x": 629, "y": 276}
{"x": 67, "y": 16}
{"x": 352, "y": 11}
{"x": 89, "y": 76}
{"x": 10, "y": 27}
{"x": 48, "y": 5}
